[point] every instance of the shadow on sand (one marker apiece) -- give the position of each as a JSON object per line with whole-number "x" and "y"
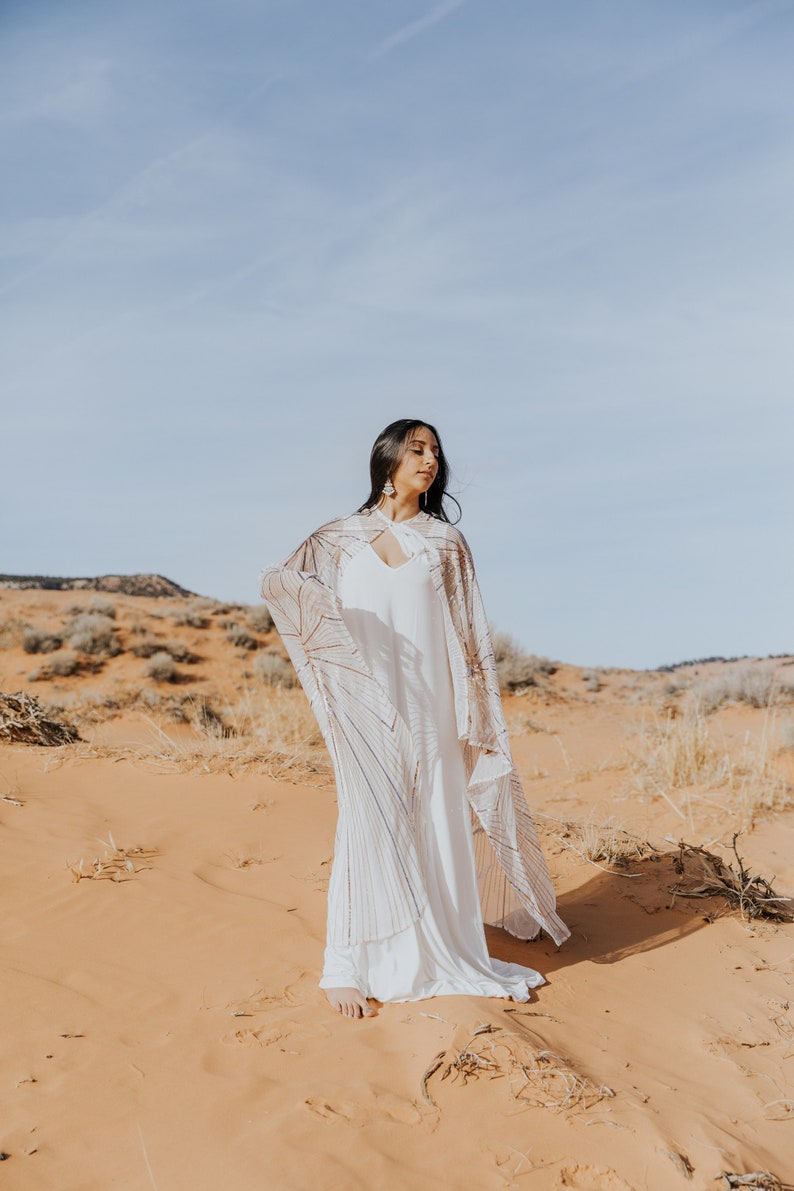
{"x": 612, "y": 916}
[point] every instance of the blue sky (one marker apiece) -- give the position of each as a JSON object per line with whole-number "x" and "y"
{"x": 239, "y": 239}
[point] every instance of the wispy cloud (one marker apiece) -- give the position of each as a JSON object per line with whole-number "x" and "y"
{"x": 415, "y": 28}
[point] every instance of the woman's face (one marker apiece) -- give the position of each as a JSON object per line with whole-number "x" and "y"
{"x": 419, "y": 464}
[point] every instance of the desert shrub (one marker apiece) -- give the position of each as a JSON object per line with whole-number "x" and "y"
{"x": 592, "y": 680}
{"x": 11, "y": 632}
{"x": 239, "y": 636}
{"x": 161, "y": 667}
{"x": 36, "y": 640}
{"x": 196, "y": 614}
{"x": 755, "y": 686}
{"x": 90, "y": 632}
{"x": 272, "y": 669}
{"x": 515, "y": 668}
{"x": 259, "y": 618}
{"x": 149, "y": 646}
{"x": 103, "y": 607}
{"x": 62, "y": 666}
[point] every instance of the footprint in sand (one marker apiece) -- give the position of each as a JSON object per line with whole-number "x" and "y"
{"x": 592, "y": 1178}
{"x": 337, "y": 1110}
{"x": 403, "y": 1111}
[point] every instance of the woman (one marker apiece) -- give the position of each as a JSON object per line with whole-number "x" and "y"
{"x": 382, "y": 616}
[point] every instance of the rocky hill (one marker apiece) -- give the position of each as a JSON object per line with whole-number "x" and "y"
{"x": 134, "y": 585}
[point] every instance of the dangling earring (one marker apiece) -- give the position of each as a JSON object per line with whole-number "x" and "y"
{"x": 389, "y": 489}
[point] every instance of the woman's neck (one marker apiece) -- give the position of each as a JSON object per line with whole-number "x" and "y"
{"x": 399, "y": 510}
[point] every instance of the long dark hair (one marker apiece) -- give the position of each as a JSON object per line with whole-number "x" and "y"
{"x": 385, "y": 458}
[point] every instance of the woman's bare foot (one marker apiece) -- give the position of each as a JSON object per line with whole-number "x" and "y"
{"x": 349, "y": 1002}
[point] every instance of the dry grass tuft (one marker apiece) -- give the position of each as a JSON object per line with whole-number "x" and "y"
{"x": 757, "y": 787}
{"x": 274, "y": 732}
{"x": 115, "y": 864}
{"x": 24, "y": 720}
{"x": 274, "y": 670}
{"x": 678, "y": 752}
{"x": 752, "y": 685}
{"x": 710, "y": 876}
{"x": 607, "y": 843}
{"x": 536, "y": 1076}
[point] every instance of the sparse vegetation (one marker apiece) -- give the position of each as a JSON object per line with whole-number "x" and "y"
{"x": 197, "y": 614}
{"x": 102, "y": 607}
{"x": 11, "y": 633}
{"x": 274, "y": 731}
{"x": 787, "y": 735}
{"x": 63, "y": 665}
{"x": 259, "y": 618}
{"x": 92, "y": 633}
{"x": 592, "y": 680}
{"x": 751, "y": 685}
{"x": 35, "y": 640}
{"x": 237, "y": 635}
{"x": 161, "y": 667}
{"x": 272, "y": 669}
{"x": 516, "y": 669}
{"x": 147, "y": 647}
{"x": 678, "y": 753}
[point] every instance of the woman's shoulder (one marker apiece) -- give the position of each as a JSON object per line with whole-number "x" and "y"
{"x": 442, "y": 531}
{"x": 341, "y": 525}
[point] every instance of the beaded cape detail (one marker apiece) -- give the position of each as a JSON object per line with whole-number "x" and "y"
{"x": 375, "y": 876}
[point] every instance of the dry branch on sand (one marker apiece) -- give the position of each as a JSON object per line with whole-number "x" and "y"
{"x": 711, "y": 876}
{"x": 24, "y": 720}
{"x": 116, "y": 864}
{"x": 536, "y": 1076}
{"x": 758, "y": 1181}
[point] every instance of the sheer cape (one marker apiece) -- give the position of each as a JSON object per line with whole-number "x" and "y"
{"x": 375, "y": 875}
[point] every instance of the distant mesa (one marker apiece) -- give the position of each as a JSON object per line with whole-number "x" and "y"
{"x": 134, "y": 585}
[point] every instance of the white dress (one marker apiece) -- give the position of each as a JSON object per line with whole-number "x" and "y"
{"x": 395, "y": 617}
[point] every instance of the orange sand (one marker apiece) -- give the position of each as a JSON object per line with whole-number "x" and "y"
{"x": 166, "y": 1030}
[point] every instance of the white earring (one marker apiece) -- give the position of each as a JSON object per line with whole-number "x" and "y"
{"x": 389, "y": 489}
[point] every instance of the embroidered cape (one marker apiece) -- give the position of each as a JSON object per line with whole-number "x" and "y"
{"x": 376, "y": 887}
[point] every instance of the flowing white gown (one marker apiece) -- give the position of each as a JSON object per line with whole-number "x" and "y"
{"x": 395, "y": 617}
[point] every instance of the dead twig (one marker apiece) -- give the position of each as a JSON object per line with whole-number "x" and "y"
{"x": 23, "y": 720}
{"x": 712, "y": 877}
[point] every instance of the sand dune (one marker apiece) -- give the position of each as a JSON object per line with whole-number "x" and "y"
{"x": 163, "y": 1022}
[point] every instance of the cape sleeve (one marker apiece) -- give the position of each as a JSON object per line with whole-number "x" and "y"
{"x": 515, "y": 885}
{"x": 376, "y": 886}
